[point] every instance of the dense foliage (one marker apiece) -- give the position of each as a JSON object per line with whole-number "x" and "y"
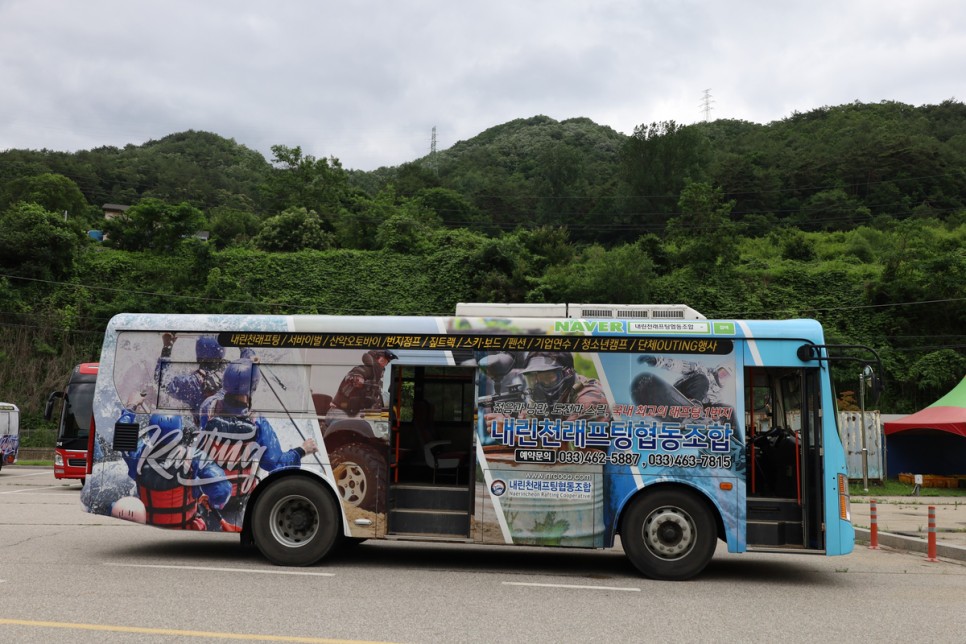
{"x": 853, "y": 215}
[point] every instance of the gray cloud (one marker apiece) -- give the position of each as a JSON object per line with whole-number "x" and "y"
{"x": 366, "y": 81}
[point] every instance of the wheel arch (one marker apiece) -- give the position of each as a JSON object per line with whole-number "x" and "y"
{"x": 673, "y": 484}
{"x": 284, "y": 473}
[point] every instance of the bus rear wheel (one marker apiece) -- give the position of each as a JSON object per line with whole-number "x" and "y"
{"x": 295, "y": 522}
{"x": 669, "y": 534}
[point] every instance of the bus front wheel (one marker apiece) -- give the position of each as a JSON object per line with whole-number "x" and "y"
{"x": 669, "y": 534}
{"x": 295, "y": 522}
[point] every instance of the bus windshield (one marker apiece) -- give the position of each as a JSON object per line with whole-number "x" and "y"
{"x": 76, "y": 420}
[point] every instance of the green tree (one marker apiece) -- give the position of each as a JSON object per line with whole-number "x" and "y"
{"x": 230, "y": 226}
{"x": 795, "y": 245}
{"x": 703, "y": 232}
{"x": 54, "y": 192}
{"x": 301, "y": 180}
{"x": 938, "y": 371}
{"x": 453, "y": 209}
{"x": 659, "y": 159}
{"x": 412, "y": 178}
{"x": 37, "y": 243}
{"x": 153, "y": 225}
{"x": 621, "y": 275}
{"x": 293, "y": 230}
{"x": 358, "y": 225}
{"x": 831, "y": 210}
{"x": 408, "y": 229}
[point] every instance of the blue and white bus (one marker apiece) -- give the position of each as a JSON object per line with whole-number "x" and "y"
{"x": 556, "y": 425}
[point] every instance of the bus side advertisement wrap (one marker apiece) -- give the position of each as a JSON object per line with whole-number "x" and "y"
{"x": 517, "y": 431}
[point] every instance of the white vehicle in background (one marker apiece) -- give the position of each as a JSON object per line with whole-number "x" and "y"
{"x": 9, "y": 433}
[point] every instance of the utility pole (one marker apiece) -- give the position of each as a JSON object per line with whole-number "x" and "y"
{"x": 706, "y": 102}
{"x": 865, "y": 448}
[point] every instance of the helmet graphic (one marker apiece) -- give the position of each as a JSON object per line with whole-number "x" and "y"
{"x": 129, "y": 508}
{"x": 207, "y": 349}
{"x": 370, "y": 357}
{"x": 241, "y": 378}
{"x": 167, "y": 425}
{"x": 549, "y": 374}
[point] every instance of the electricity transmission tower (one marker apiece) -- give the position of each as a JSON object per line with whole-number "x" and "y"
{"x": 434, "y": 166}
{"x": 706, "y": 102}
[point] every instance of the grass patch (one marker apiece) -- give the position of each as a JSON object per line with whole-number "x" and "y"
{"x": 892, "y": 487}
{"x": 21, "y": 461}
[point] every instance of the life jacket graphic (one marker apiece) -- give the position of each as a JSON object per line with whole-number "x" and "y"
{"x": 173, "y": 508}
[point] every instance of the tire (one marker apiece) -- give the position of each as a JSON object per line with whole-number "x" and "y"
{"x": 296, "y": 522}
{"x": 360, "y": 474}
{"x": 669, "y": 534}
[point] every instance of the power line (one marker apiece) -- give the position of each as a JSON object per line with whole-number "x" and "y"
{"x": 726, "y": 314}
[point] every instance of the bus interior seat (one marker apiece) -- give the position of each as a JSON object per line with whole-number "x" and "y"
{"x": 435, "y": 450}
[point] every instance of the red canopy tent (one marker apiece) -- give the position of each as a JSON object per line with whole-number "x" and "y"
{"x": 932, "y": 440}
{"x": 948, "y": 414}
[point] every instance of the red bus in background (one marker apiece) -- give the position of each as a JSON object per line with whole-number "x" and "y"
{"x": 74, "y": 430}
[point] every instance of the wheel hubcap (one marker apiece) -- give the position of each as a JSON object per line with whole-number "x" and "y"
{"x": 294, "y": 521}
{"x": 669, "y": 533}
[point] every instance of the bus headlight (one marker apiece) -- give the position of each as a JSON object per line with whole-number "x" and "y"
{"x": 58, "y": 459}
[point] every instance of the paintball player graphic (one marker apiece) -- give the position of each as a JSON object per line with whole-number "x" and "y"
{"x": 194, "y": 387}
{"x": 362, "y": 386}
{"x": 177, "y": 488}
{"x": 238, "y": 440}
{"x": 552, "y": 379}
{"x": 554, "y": 390}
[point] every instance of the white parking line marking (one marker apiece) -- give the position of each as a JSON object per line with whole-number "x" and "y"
{"x": 212, "y": 568}
{"x": 14, "y": 476}
{"x": 33, "y": 489}
{"x": 521, "y": 583}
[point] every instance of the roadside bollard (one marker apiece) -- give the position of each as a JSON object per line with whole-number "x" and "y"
{"x": 873, "y": 527}
{"x": 931, "y": 555}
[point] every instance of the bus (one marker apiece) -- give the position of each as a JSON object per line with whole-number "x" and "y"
{"x": 76, "y": 421}
{"x": 562, "y": 425}
{"x": 9, "y": 433}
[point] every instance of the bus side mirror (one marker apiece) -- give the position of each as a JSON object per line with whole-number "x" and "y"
{"x": 807, "y": 352}
{"x": 51, "y": 399}
{"x": 874, "y": 383}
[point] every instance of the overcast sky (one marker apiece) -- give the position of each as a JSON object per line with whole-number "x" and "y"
{"x": 367, "y": 81}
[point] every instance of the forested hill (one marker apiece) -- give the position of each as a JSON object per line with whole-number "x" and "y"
{"x": 829, "y": 168}
{"x": 852, "y": 214}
